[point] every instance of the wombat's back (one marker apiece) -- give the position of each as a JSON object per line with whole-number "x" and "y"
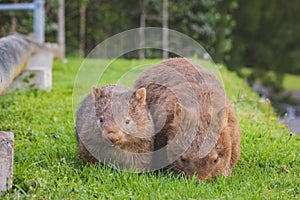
{"x": 178, "y": 80}
{"x": 86, "y": 125}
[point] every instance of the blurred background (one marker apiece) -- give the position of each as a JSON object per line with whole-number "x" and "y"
{"x": 258, "y": 39}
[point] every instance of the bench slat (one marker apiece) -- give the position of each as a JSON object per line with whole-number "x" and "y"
{"x": 6, "y": 160}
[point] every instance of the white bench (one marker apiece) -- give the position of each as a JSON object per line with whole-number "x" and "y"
{"x": 6, "y": 161}
{"x": 38, "y": 73}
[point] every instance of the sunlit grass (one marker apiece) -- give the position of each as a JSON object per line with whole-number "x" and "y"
{"x": 291, "y": 82}
{"x": 47, "y": 167}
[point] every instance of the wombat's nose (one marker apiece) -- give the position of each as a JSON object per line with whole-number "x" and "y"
{"x": 112, "y": 136}
{"x": 205, "y": 177}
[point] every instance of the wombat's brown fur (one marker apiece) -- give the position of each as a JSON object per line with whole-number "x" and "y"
{"x": 222, "y": 157}
{"x": 86, "y": 127}
{"x": 113, "y": 124}
{"x": 124, "y": 118}
{"x": 175, "y": 85}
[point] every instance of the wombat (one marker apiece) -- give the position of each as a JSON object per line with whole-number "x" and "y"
{"x": 114, "y": 125}
{"x": 222, "y": 157}
{"x": 208, "y": 128}
{"x": 86, "y": 128}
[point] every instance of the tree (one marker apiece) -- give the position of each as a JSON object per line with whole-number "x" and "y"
{"x": 208, "y": 22}
{"x": 165, "y": 26}
{"x": 265, "y": 39}
{"x": 223, "y": 29}
{"x": 143, "y": 17}
{"x": 83, "y": 7}
{"x": 61, "y": 27}
{"x": 14, "y": 21}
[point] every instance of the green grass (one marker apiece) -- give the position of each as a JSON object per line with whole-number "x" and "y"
{"x": 291, "y": 82}
{"x": 46, "y": 165}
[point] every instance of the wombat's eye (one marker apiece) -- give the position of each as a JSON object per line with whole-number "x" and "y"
{"x": 216, "y": 160}
{"x": 183, "y": 159}
{"x": 101, "y": 119}
{"x": 127, "y": 121}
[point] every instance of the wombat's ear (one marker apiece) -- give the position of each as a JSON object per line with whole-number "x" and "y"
{"x": 223, "y": 115}
{"x": 96, "y": 92}
{"x": 219, "y": 119}
{"x": 140, "y": 95}
{"x": 178, "y": 112}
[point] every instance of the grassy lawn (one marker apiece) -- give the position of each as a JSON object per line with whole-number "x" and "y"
{"x": 47, "y": 167}
{"x": 291, "y": 82}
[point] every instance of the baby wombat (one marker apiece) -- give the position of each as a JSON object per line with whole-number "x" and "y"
{"x": 203, "y": 129}
{"x": 87, "y": 130}
{"x": 114, "y": 125}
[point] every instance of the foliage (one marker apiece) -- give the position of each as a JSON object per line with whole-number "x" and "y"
{"x": 291, "y": 82}
{"x": 266, "y": 37}
{"x": 208, "y": 22}
{"x": 104, "y": 19}
{"x": 256, "y": 34}
{"x": 23, "y": 20}
{"x": 47, "y": 167}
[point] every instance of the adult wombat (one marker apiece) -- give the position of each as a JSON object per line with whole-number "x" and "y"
{"x": 219, "y": 161}
{"x": 207, "y": 129}
{"x": 114, "y": 125}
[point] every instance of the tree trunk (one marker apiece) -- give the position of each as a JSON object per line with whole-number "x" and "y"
{"x": 165, "y": 36}
{"x": 82, "y": 11}
{"x": 14, "y": 24}
{"x": 14, "y": 21}
{"x": 61, "y": 28}
{"x": 142, "y": 30}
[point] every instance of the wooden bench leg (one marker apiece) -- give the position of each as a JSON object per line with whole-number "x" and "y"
{"x": 6, "y": 160}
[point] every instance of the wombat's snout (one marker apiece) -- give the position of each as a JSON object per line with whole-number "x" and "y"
{"x": 208, "y": 176}
{"x": 113, "y": 136}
